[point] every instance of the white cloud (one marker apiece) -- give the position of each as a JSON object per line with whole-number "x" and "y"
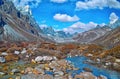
{"x": 65, "y": 18}
{"x": 79, "y": 26}
{"x": 113, "y": 17}
{"x": 58, "y": 1}
{"x": 23, "y": 3}
{"x": 43, "y": 26}
{"x": 92, "y": 4}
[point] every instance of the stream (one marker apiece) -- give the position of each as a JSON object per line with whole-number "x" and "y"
{"x": 78, "y": 62}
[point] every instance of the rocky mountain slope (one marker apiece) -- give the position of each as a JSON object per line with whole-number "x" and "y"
{"x": 110, "y": 39}
{"x": 91, "y": 35}
{"x": 14, "y": 26}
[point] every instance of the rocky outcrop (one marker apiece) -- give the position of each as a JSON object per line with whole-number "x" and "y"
{"x": 14, "y": 26}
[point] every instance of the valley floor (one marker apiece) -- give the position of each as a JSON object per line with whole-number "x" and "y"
{"x": 29, "y": 60}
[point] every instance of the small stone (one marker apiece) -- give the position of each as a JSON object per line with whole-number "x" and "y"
{"x": 28, "y": 70}
{"x": 33, "y": 61}
{"x": 23, "y": 51}
{"x": 11, "y": 57}
{"x": 16, "y": 52}
{"x": 15, "y": 71}
{"x": 22, "y": 71}
{"x": 2, "y": 73}
{"x": 2, "y": 60}
{"x": 4, "y": 53}
{"x": 102, "y": 77}
{"x": 117, "y": 60}
{"x": 36, "y": 72}
{"x": 40, "y": 71}
{"x": 38, "y": 58}
{"x": 58, "y": 73}
{"x": 11, "y": 73}
{"x": 17, "y": 77}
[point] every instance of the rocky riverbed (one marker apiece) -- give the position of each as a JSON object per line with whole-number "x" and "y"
{"x": 45, "y": 60}
{"x": 55, "y": 69}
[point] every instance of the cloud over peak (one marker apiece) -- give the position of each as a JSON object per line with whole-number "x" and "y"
{"x": 79, "y": 26}
{"x": 23, "y": 3}
{"x": 92, "y": 4}
{"x": 113, "y": 18}
{"x": 65, "y": 18}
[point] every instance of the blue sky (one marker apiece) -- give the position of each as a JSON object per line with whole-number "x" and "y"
{"x": 72, "y": 15}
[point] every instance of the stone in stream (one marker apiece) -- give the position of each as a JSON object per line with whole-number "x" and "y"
{"x": 102, "y": 77}
{"x": 2, "y": 60}
{"x": 87, "y": 69}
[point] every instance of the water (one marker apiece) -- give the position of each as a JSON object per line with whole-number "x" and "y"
{"x": 78, "y": 62}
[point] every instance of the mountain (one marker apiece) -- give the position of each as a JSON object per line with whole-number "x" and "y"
{"x": 91, "y": 35}
{"x": 15, "y": 26}
{"x": 110, "y": 39}
{"x": 58, "y": 36}
{"x": 115, "y": 24}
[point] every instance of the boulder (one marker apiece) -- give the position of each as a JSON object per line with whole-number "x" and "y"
{"x": 38, "y": 58}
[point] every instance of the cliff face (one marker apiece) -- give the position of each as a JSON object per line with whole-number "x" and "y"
{"x": 14, "y": 26}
